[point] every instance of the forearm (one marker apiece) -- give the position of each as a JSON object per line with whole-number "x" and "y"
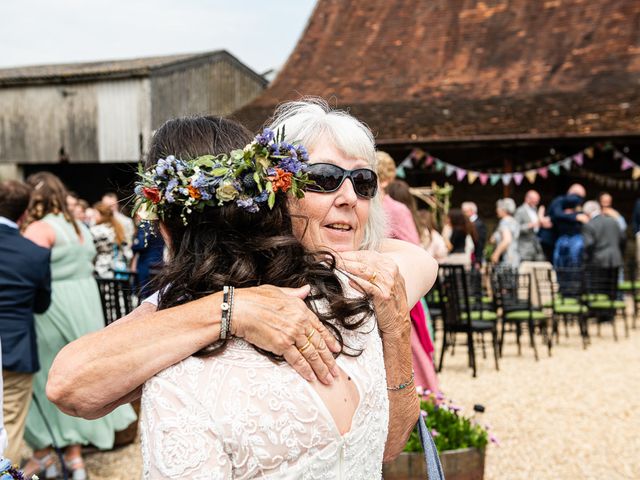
{"x": 404, "y": 406}
{"x": 95, "y": 372}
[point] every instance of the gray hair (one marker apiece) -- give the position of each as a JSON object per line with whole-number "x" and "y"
{"x": 311, "y": 119}
{"x": 507, "y": 204}
{"x": 469, "y": 205}
{"x": 592, "y": 208}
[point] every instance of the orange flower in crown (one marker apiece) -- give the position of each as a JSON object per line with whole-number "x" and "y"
{"x": 193, "y": 192}
{"x": 281, "y": 181}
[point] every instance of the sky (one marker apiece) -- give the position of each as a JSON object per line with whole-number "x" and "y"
{"x": 260, "y": 33}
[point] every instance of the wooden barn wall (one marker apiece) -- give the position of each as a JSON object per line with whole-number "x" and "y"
{"x": 217, "y": 88}
{"x": 124, "y": 127}
{"x": 93, "y": 122}
{"x": 35, "y": 122}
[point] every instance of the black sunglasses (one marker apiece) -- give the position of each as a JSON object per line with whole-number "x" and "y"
{"x": 329, "y": 177}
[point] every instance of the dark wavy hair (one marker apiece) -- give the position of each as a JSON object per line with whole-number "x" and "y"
{"x": 229, "y": 246}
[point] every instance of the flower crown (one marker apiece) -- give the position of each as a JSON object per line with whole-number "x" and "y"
{"x": 11, "y": 472}
{"x": 250, "y": 177}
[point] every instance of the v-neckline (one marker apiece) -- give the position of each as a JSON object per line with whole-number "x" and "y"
{"x": 323, "y": 406}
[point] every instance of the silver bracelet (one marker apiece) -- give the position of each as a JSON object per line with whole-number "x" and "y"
{"x": 402, "y": 386}
{"x": 226, "y": 307}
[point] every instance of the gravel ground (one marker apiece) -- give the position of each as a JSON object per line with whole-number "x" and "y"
{"x": 575, "y": 415}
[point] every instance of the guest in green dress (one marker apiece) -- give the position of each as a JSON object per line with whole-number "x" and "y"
{"x": 75, "y": 311}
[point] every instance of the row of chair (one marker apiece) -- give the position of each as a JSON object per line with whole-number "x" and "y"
{"x": 504, "y": 300}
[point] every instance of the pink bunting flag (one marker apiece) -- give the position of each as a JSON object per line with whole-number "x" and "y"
{"x": 543, "y": 172}
{"x": 429, "y": 161}
{"x": 578, "y": 158}
{"x": 460, "y": 173}
{"x": 517, "y": 177}
{"x": 626, "y": 164}
{"x": 484, "y": 178}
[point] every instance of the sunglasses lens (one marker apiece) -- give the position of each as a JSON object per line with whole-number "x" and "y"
{"x": 365, "y": 182}
{"x": 327, "y": 177}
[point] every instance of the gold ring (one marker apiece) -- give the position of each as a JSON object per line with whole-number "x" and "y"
{"x": 305, "y": 347}
{"x": 372, "y": 279}
{"x": 310, "y": 336}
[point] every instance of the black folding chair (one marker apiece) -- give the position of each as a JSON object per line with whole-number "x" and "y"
{"x": 602, "y": 297}
{"x": 117, "y": 298}
{"x": 463, "y": 315}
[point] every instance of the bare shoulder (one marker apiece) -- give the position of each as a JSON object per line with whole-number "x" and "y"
{"x": 41, "y": 233}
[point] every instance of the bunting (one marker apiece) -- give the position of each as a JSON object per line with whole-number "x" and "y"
{"x": 531, "y": 174}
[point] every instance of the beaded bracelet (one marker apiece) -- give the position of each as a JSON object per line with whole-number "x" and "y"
{"x": 227, "y": 306}
{"x": 402, "y": 386}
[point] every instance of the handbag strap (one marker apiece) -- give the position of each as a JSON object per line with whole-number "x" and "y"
{"x": 431, "y": 458}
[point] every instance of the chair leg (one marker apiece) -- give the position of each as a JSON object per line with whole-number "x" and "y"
{"x": 484, "y": 350}
{"x": 626, "y": 324}
{"x": 532, "y": 339}
{"x": 501, "y": 336}
{"x": 444, "y": 347}
{"x": 472, "y": 353}
{"x": 453, "y": 343}
{"x": 613, "y": 325}
{"x": 547, "y": 338}
{"x": 518, "y": 333}
{"x": 494, "y": 341}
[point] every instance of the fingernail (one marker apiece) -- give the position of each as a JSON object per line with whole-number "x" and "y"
{"x": 328, "y": 380}
{"x": 334, "y": 371}
{"x": 312, "y": 377}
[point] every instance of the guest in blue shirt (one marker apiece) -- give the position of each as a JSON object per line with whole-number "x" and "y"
{"x": 567, "y": 220}
{"x": 148, "y": 248}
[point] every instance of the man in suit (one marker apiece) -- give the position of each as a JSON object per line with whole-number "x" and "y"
{"x": 470, "y": 209}
{"x": 567, "y": 219}
{"x": 602, "y": 238}
{"x": 528, "y": 219}
{"x": 25, "y": 289}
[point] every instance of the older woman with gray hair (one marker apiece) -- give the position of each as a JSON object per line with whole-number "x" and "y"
{"x": 343, "y": 215}
{"x": 506, "y": 235}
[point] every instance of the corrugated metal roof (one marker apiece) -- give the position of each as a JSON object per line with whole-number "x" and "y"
{"x": 109, "y": 69}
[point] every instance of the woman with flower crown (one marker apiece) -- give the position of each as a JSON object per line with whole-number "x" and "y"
{"x": 338, "y": 420}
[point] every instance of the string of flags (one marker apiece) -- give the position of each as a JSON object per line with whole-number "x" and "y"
{"x": 424, "y": 159}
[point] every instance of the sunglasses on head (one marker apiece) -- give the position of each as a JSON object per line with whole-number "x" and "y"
{"x": 329, "y": 177}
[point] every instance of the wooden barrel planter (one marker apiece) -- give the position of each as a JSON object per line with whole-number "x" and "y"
{"x": 463, "y": 464}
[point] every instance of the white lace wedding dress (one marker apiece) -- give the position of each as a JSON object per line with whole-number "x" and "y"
{"x": 238, "y": 415}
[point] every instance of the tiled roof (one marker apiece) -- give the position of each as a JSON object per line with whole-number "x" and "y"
{"x": 137, "y": 67}
{"x": 436, "y": 70}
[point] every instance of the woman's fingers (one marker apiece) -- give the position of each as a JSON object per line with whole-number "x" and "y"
{"x": 307, "y": 348}
{"x": 294, "y": 358}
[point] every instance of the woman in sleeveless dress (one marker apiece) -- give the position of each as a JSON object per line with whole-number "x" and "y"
{"x": 75, "y": 311}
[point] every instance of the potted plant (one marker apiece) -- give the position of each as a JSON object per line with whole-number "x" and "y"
{"x": 460, "y": 440}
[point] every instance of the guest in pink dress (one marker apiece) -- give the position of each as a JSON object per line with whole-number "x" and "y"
{"x": 401, "y": 225}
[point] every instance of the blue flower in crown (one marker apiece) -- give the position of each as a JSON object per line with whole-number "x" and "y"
{"x": 9, "y": 472}
{"x": 265, "y": 137}
{"x": 290, "y": 164}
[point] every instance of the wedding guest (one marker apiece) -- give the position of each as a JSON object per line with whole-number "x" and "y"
{"x": 110, "y": 199}
{"x": 148, "y": 248}
{"x": 170, "y": 335}
{"x": 470, "y": 209}
{"x": 528, "y": 218}
{"x": 603, "y": 238}
{"x": 506, "y": 235}
{"x": 460, "y": 237}
{"x": 567, "y": 219}
{"x": 606, "y": 206}
{"x": 75, "y": 310}
{"x": 25, "y": 289}
{"x": 432, "y": 240}
{"x": 113, "y": 254}
{"x": 421, "y": 344}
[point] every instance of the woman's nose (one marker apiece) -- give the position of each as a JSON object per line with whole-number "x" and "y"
{"x": 346, "y": 194}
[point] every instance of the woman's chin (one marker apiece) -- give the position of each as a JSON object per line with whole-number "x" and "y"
{"x": 339, "y": 240}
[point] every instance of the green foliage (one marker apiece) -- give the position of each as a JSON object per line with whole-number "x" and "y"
{"x": 450, "y": 429}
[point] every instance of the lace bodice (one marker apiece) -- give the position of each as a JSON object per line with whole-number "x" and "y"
{"x": 238, "y": 415}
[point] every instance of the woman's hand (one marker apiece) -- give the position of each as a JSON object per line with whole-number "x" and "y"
{"x": 380, "y": 277}
{"x": 277, "y": 320}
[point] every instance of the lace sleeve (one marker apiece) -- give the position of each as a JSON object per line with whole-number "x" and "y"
{"x": 179, "y": 437}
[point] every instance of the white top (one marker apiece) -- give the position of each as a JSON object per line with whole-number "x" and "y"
{"x": 239, "y": 415}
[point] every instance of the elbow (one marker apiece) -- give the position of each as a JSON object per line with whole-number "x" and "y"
{"x": 58, "y": 393}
